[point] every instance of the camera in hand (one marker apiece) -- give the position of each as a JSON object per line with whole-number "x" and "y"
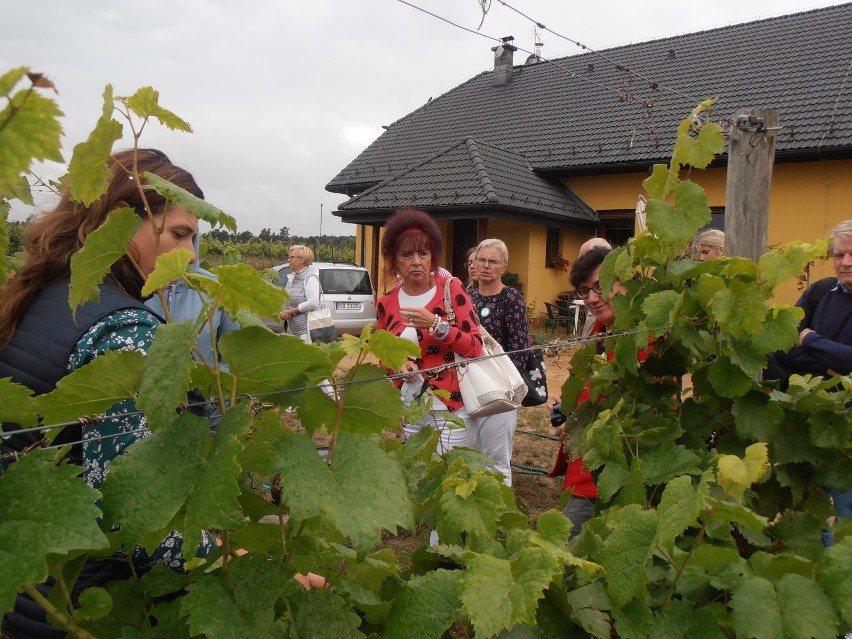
{"x": 557, "y": 417}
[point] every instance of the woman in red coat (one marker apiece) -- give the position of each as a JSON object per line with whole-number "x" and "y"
{"x": 411, "y": 248}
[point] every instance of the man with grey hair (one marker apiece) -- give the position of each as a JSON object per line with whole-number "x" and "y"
{"x": 825, "y": 334}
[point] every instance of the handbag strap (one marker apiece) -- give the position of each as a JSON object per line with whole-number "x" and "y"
{"x": 448, "y": 303}
{"x": 319, "y": 283}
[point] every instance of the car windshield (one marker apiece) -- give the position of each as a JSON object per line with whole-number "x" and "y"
{"x": 345, "y": 282}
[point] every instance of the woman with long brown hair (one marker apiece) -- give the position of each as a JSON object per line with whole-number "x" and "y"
{"x": 41, "y": 341}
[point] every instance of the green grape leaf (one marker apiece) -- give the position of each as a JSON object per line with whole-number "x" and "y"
{"x": 195, "y": 205}
{"x": 180, "y": 466}
{"x": 391, "y": 350}
{"x": 425, "y": 607}
{"x": 806, "y": 611}
{"x": 700, "y": 150}
{"x": 37, "y": 523}
{"x": 834, "y": 572}
{"x": 633, "y": 620}
{"x": 321, "y": 614}
{"x": 679, "y": 508}
{"x": 736, "y": 474}
{"x": 360, "y": 473}
{"x": 89, "y": 172}
{"x": 673, "y": 620}
{"x": 756, "y": 610}
{"x": 677, "y": 224}
{"x": 780, "y": 265}
{"x": 214, "y": 613}
{"x": 662, "y": 309}
{"x": 240, "y": 287}
{"x": 169, "y": 267}
{"x": 94, "y": 388}
{"x": 262, "y": 361}
{"x": 736, "y": 513}
{"x": 739, "y": 309}
{"x": 664, "y": 461}
{"x": 9, "y": 79}
{"x": 30, "y": 131}
{"x": 727, "y": 379}
{"x": 370, "y": 407}
{"x": 144, "y": 103}
{"x": 102, "y": 248}
{"x": 587, "y": 605}
{"x": 498, "y": 593}
{"x": 23, "y": 193}
{"x": 166, "y": 376}
{"x": 626, "y": 552}
{"x": 660, "y": 183}
{"x": 756, "y": 417}
{"x": 473, "y": 507}
{"x": 17, "y": 404}
{"x": 94, "y": 603}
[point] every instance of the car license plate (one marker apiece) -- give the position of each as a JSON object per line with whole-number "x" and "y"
{"x": 348, "y": 306}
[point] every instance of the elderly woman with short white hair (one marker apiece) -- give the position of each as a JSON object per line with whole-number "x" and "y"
{"x": 303, "y": 289}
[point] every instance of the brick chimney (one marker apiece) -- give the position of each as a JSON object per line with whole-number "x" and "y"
{"x": 503, "y": 61}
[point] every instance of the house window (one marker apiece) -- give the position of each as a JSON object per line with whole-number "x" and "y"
{"x": 551, "y": 247}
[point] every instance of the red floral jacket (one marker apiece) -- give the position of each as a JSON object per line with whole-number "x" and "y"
{"x": 464, "y": 338}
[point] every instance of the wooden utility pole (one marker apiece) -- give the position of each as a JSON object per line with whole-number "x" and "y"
{"x": 751, "y": 153}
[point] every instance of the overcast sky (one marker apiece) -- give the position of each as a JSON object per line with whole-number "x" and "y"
{"x": 283, "y": 94}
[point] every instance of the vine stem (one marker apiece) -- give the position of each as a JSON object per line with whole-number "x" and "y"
{"x": 679, "y": 569}
{"x": 296, "y": 540}
{"x": 57, "y": 614}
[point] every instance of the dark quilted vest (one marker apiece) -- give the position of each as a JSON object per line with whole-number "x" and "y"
{"x": 37, "y": 355}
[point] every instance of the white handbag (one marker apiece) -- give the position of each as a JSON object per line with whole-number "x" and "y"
{"x": 490, "y": 385}
{"x": 321, "y": 324}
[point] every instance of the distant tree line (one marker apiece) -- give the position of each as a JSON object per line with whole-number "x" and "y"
{"x": 269, "y": 248}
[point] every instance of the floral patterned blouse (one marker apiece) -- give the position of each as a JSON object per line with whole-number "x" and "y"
{"x": 128, "y": 329}
{"x": 506, "y": 320}
{"x": 463, "y": 339}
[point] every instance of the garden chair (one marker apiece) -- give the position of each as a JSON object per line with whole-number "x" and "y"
{"x": 558, "y": 316}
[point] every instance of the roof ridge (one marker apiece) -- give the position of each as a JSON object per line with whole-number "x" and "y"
{"x": 481, "y": 171}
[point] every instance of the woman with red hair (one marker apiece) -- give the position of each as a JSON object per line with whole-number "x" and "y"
{"x": 411, "y": 248}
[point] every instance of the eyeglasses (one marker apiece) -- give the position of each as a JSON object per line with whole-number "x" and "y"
{"x": 481, "y": 261}
{"x": 294, "y": 257}
{"x": 585, "y": 291}
{"x": 469, "y": 263}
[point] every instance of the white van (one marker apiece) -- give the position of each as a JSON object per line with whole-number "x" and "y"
{"x": 347, "y": 290}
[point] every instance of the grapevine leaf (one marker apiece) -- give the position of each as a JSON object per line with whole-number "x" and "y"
{"x": 391, "y": 350}
{"x": 425, "y": 607}
{"x": 835, "y": 576}
{"x": 662, "y": 308}
{"x": 9, "y": 79}
{"x": 36, "y": 523}
{"x": 195, "y": 205}
{"x": 698, "y": 151}
{"x": 21, "y": 192}
{"x": 780, "y": 265}
{"x": 673, "y": 620}
{"x": 102, "y": 248}
{"x": 660, "y": 183}
{"x": 588, "y": 604}
{"x": 321, "y": 614}
{"x": 806, "y": 611}
{"x": 739, "y": 309}
{"x": 626, "y": 552}
{"x": 360, "y": 473}
{"x": 144, "y": 103}
{"x": 179, "y": 465}
{"x": 756, "y": 417}
{"x": 89, "y": 172}
{"x": 473, "y": 507}
{"x": 370, "y": 407}
{"x": 95, "y": 603}
{"x": 94, "y": 388}
{"x": 662, "y": 462}
{"x": 737, "y": 514}
{"x": 30, "y": 131}
{"x": 498, "y": 593}
{"x": 169, "y": 267}
{"x": 755, "y": 609}
{"x": 240, "y": 287}
{"x": 262, "y": 361}
{"x": 727, "y": 379}
{"x": 17, "y": 405}
{"x": 633, "y": 620}
{"x": 166, "y": 377}
{"x": 679, "y": 508}
{"x": 677, "y": 224}
{"x": 736, "y": 474}
{"x": 214, "y": 613}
